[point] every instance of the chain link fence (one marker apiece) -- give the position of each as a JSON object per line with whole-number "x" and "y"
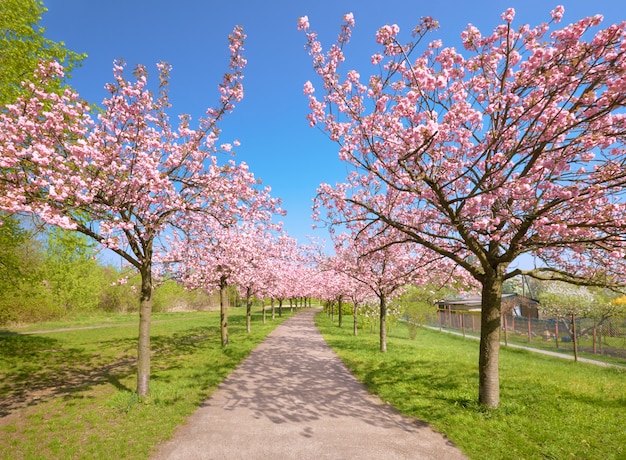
{"x": 600, "y": 337}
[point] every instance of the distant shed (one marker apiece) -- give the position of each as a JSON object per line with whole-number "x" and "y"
{"x": 517, "y": 305}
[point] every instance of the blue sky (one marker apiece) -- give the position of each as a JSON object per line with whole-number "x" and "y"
{"x": 277, "y": 141}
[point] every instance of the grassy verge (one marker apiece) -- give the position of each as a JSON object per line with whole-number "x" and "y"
{"x": 550, "y": 408}
{"x": 70, "y": 394}
{"x": 565, "y": 348}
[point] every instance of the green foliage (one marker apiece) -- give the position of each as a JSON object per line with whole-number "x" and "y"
{"x": 172, "y": 296}
{"x": 559, "y": 299}
{"x": 26, "y": 302}
{"x": 12, "y": 237}
{"x": 23, "y": 293}
{"x": 63, "y": 277}
{"x": 48, "y": 273}
{"x": 418, "y": 306}
{"x": 369, "y": 316}
{"x": 23, "y": 45}
{"x": 119, "y": 291}
{"x": 71, "y": 270}
{"x": 551, "y": 408}
{"x": 43, "y": 277}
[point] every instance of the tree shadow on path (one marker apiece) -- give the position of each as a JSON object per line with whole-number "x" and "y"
{"x": 294, "y": 398}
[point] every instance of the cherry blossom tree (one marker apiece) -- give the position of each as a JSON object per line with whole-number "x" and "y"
{"x": 513, "y": 146}
{"x": 288, "y": 267}
{"x": 124, "y": 177}
{"x": 334, "y": 286}
{"x": 358, "y": 297}
{"x": 214, "y": 253}
{"x": 253, "y": 274}
{"x": 382, "y": 266}
{"x": 338, "y": 269}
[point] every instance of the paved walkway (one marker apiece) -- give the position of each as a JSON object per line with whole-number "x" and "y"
{"x": 292, "y": 398}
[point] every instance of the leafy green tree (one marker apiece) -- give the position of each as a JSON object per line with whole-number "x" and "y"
{"x": 23, "y": 46}
{"x": 169, "y": 295}
{"x": 12, "y": 237}
{"x": 419, "y": 305}
{"x": 72, "y": 271}
{"x": 24, "y": 295}
{"x": 119, "y": 290}
{"x": 566, "y": 301}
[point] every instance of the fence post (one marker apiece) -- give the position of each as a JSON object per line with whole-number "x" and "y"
{"x": 574, "y": 338}
{"x": 556, "y": 332}
{"x": 506, "y": 331}
{"x": 595, "y": 336}
{"x": 462, "y": 316}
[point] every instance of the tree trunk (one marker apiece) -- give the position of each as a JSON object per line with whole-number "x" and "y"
{"x": 383, "y": 324}
{"x": 223, "y": 312}
{"x": 354, "y": 317}
{"x": 264, "y": 312}
{"x": 273, "y": 310}
{"x": 339, "y": 312}
{"x": 488, "y": 374}
{"x": 248, "y": 310}
{"x": 143, "y": 346}
{"x": 280, "y": 308}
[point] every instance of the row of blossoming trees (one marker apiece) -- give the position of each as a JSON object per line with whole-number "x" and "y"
{"x": 513, "y": 146}
{"x": 459, "y": 166}
{"x": 153, "y": 192}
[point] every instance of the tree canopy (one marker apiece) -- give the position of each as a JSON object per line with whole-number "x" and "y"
{"x": 127, "y": 177}
{"x": 23, "y": 45}
{"x": 514, "y": 145}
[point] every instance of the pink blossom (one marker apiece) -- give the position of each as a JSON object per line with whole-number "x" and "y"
{"x": 303, "y": 23}
{"x": 557, "y": 13}
{"x": 353, "y": 76}
{"x": 349, "y": 19}
{"x": 508, "y": 15}
{"x": 308, "y": 88}
{"x": 435, "y": 44}
{"x": 377, "y": 58}
{"x": 387, "y": 33}
{"x": 470, "y": 36}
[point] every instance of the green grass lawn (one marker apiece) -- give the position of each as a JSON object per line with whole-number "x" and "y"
{"x": 550, "y": 408}
{"x": 70, "y": 394}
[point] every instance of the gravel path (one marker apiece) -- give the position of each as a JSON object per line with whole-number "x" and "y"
{"x": 293, "y": 398}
